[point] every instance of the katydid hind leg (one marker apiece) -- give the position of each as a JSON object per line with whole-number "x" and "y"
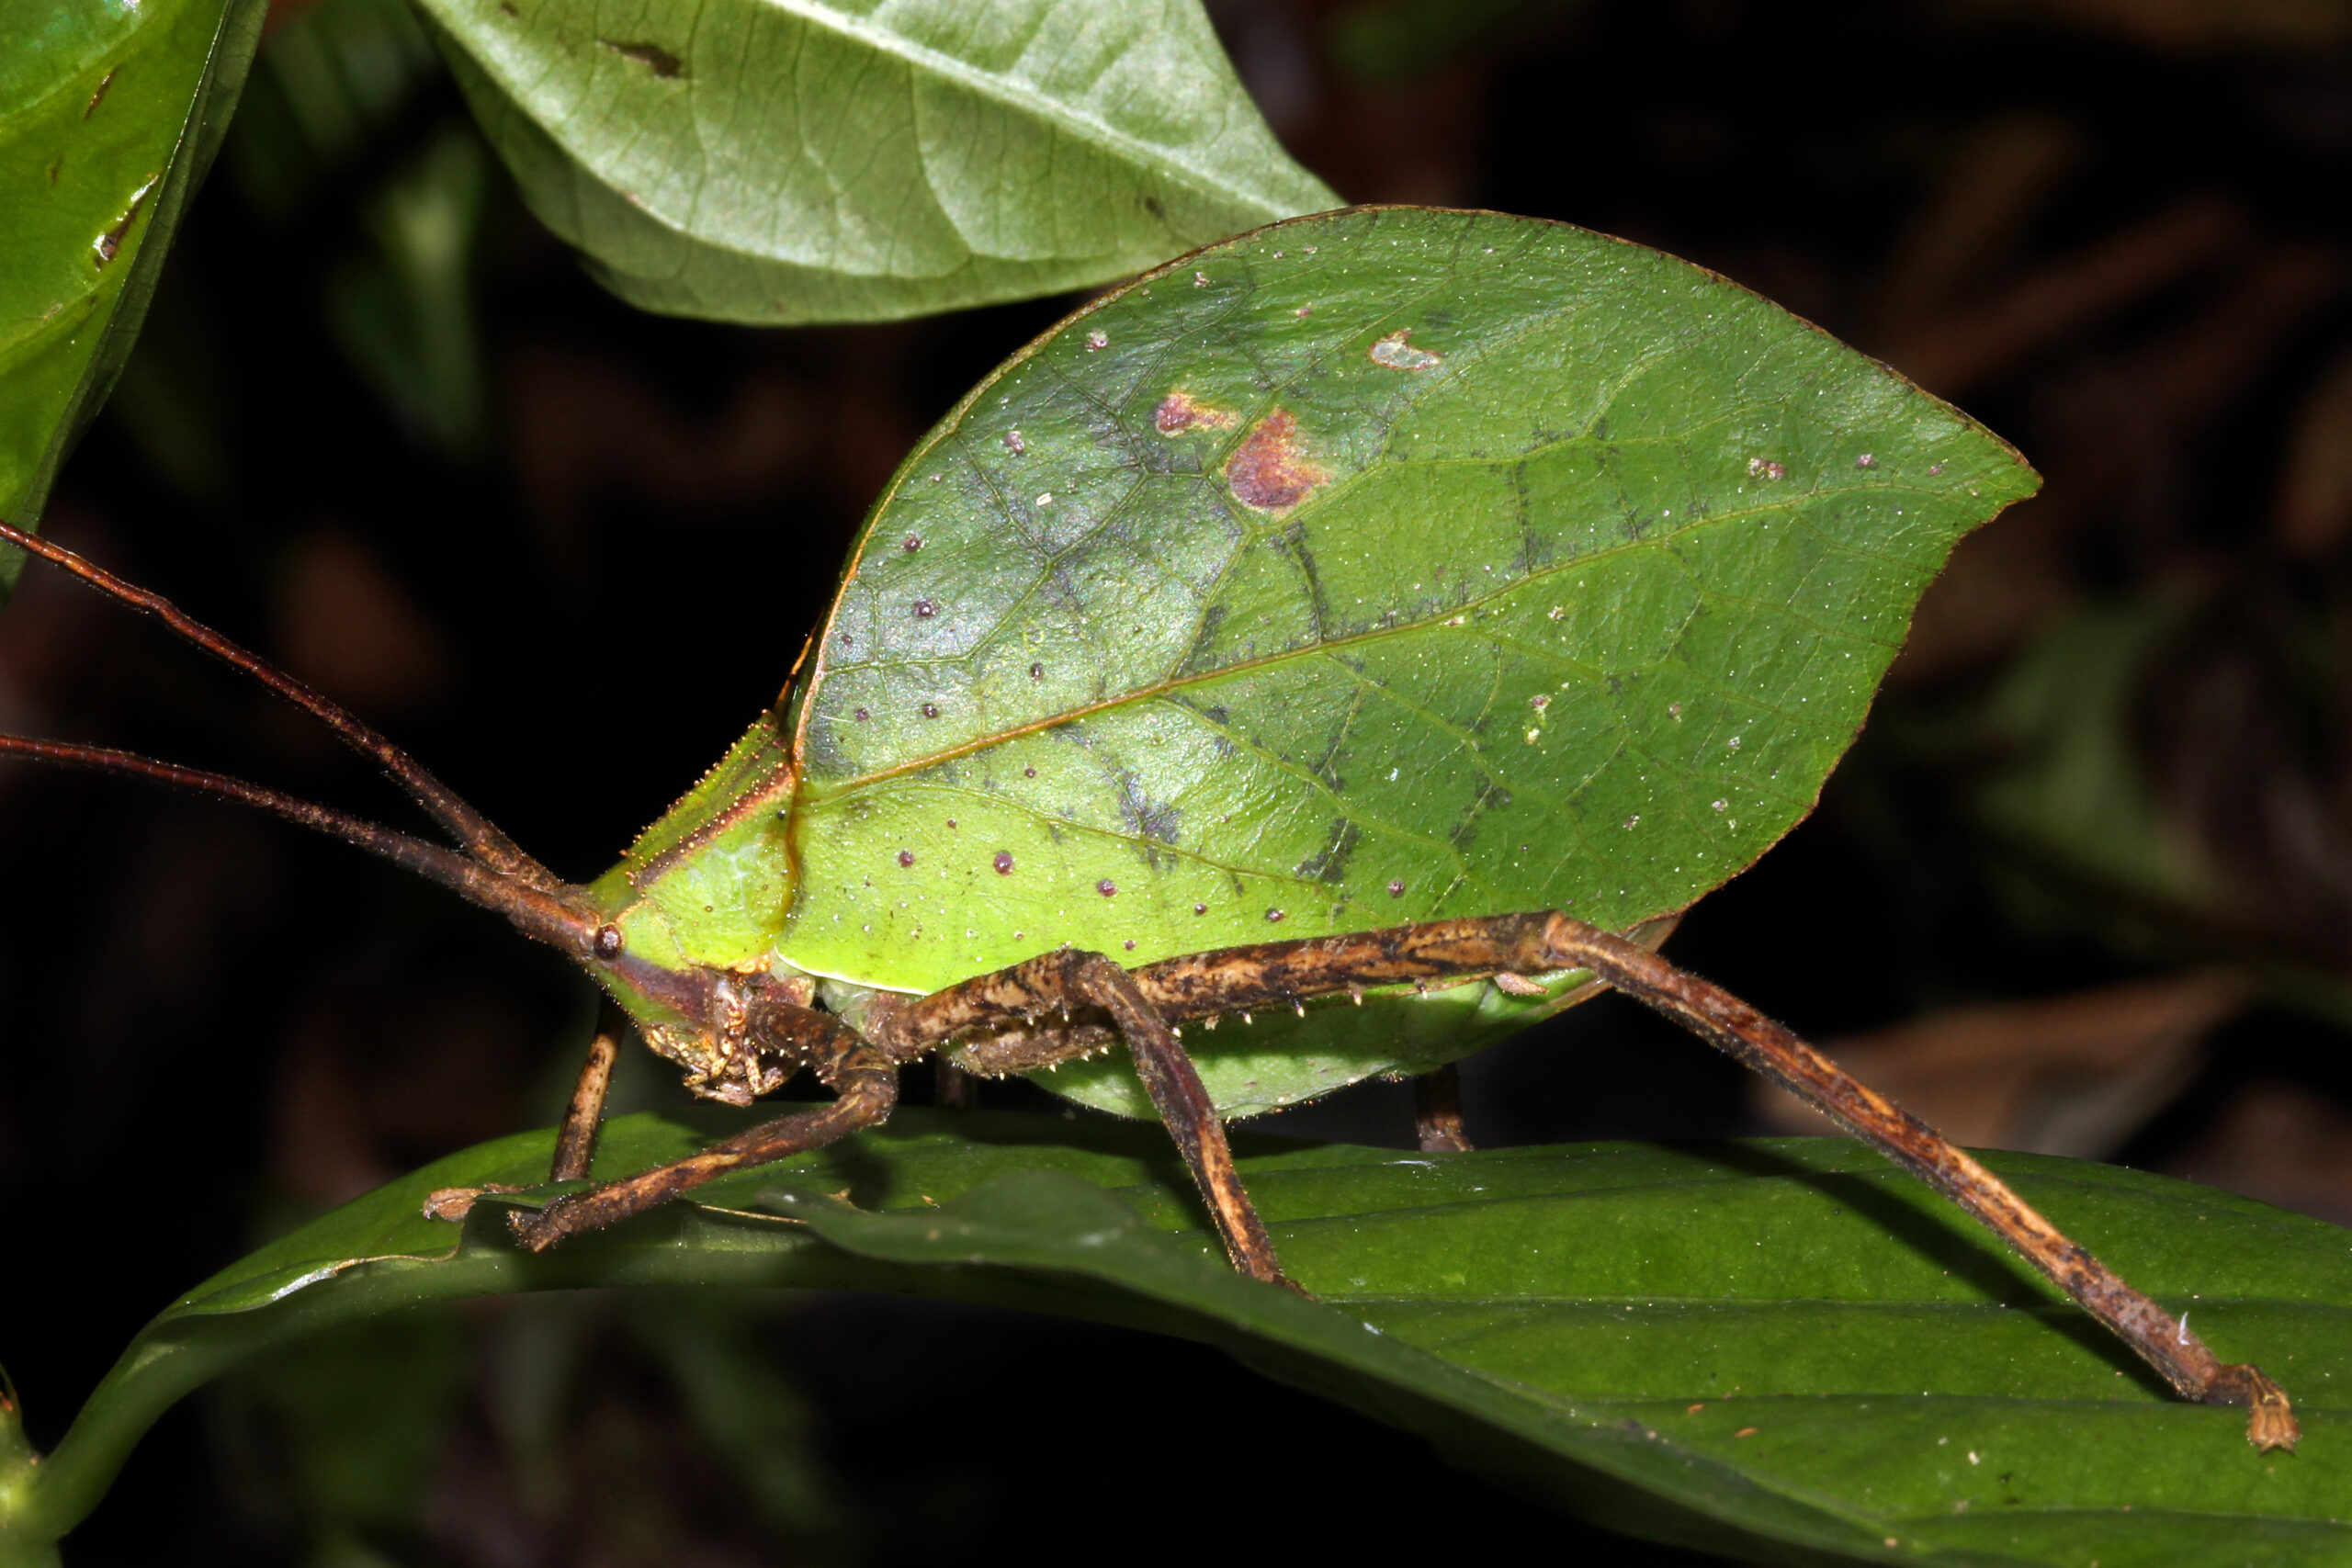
{"x": 1068, "y": 981}
{"x": 1204, "y": 985}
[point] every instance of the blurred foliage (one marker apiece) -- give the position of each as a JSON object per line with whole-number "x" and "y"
{"x": 599, "y": 1425}
{"x": 97, "y": 182}
{"x": 748, "y": 163}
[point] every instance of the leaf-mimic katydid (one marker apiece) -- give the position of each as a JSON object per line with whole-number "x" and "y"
{"x": 1261, "y": 643}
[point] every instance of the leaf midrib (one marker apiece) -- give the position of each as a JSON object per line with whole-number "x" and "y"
{"x": 2055, "y": 1308}
{"x": 1011, "y": 94}
{"x": 813, "y": 793}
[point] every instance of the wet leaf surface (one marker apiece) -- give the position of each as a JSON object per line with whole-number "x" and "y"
{"x": 843, "y": 162}
{"x": 108, "y": 118}
{"x": 1381, "y": 566}
{"x": 1781, "y": 1348}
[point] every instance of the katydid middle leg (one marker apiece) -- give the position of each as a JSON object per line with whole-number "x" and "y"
{"x": 1070, "y": 980}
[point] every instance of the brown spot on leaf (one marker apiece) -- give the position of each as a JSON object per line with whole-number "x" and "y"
{"x": 1177, "y": 413}
{"x": 650, "y": 55}
{"x": 110, "y": 244}
{"x": 1267, "y": 471}
{"x": 100, "y": 96}
{"x": 1396, "y": 353}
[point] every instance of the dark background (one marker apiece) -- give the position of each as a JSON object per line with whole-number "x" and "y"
{"x": 383, "y": 429}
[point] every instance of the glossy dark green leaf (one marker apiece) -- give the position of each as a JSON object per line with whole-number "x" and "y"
{"x": 1384, "y": 565}
{"x": 845, "y": 160}
{"x": 1784, "y": 1350}
{"x": 109, "y": 114}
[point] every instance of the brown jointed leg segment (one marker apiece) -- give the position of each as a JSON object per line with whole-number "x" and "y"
{"x": 866, "y": 1083}
{"x": 1057, "y": 983}
{"x": 1204, "y": 985}
{"x": 575, "y": 1141}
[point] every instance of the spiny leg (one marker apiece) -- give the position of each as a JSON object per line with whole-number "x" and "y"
{"x": 1437, "y": 1111}
{"x": 1204, "y": 984}
{"x": 575, "y": 1141}
{"x": 1058, "y": 982}
{"x": 864, "y": 1082}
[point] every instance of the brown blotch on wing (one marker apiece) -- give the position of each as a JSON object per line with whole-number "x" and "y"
{"x": 1179, "y": 412}
{"x": 1267, "y": 471}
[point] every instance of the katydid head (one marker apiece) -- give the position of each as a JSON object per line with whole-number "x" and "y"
{"x": 732, "y": 1055}
{"x": 717, "y": 1024}
{"x": 712, "y": 1009}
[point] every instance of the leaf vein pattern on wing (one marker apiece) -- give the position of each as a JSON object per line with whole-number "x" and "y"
{"x": 1468, "y": 744}
{"x": 1137, "y": 841}
{"x": 1350, "y": 809}
{"x": 1183, "y": 680}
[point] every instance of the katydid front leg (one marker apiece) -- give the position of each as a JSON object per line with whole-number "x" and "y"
{"x": 575, "y": 1141}
{"x": 865, "y": 1076}
{"x": 865, "y": 1084}
{"x": 575, "y": 1138}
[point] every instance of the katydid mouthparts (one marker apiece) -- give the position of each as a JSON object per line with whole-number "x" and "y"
{"x": 1165, "y": 636}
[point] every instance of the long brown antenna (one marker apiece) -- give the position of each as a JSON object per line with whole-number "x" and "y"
{"x": 539, "y": 912}
{"x": 480, "y": 837}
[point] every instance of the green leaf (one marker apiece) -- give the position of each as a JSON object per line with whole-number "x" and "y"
{"x": 109, "y": 113}
{"x": 1777, "y": 1349}
{"x": 1386, "y": 565}
{"x": 402, "y": 308}
{"x": 813, "y": 160}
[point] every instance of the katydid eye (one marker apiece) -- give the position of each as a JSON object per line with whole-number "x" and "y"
{"x": 608, "y": 941}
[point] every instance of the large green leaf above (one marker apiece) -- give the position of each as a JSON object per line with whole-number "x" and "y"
{"x": 1386, "y": 565}
{"x": 110, "y": 111}
{"x": 1783, "y": 1349}
{"x": 786, "y": 161}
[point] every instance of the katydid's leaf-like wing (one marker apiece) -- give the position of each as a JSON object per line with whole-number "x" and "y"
{"x": 782, "y": 161}
{"x": 1784, "y": 1350}
{"x": 1380, "y": 566}
{"x": 109, "y": 113}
